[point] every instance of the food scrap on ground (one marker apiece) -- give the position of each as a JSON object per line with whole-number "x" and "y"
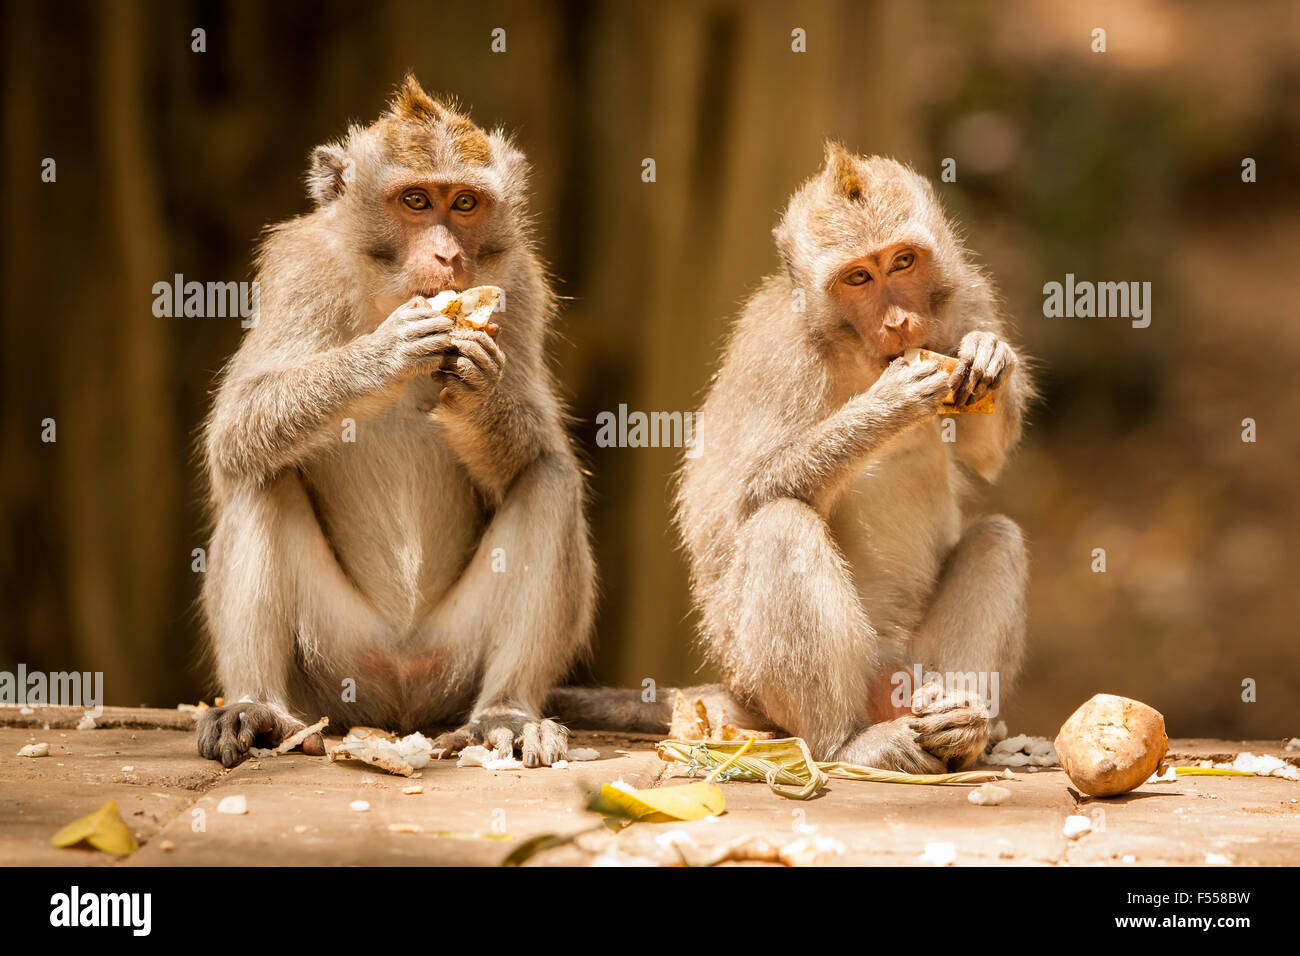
{"x": 378, "y": 749}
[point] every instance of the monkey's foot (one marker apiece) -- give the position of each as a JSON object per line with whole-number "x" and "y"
{"x": 539, "y": 742}
{"x": 951, "y": 725}
{"x": 890, "y": 745}
{"x": 226, "y": 733}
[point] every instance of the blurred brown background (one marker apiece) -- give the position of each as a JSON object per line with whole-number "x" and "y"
{"x": 1117, "y": 166}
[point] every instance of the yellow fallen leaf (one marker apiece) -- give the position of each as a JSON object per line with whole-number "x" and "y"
{"x": 103, "y": 829}
{"x": 692, "y": 801}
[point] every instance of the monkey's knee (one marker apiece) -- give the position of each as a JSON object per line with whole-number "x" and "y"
{"x": 997, "y": 545}
{"x": 784, "y": 538}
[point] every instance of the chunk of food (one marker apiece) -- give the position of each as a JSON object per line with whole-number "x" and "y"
{"x": 1112, "y": 744}
{"x": 949, "y": 364}
{"x": 472, "y": 309}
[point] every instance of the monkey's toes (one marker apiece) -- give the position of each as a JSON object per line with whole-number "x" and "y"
{"x": 543, "y": 742}
{"x": 226, "y": 733}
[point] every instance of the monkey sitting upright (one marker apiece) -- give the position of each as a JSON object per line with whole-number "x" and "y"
{"x": 821, "y": 517}
{"x": 400, "y": 536}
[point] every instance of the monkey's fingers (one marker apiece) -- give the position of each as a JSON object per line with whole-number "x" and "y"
{"x": 452, "y": 743}
{"x": 502, "y": 741}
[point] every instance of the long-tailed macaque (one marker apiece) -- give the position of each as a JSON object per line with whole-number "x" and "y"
{"x": 821, "y": 517}
{"x": 400, "y": 536}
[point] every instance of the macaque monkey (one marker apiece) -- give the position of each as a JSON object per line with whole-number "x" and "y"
{"x": 400, "y": 537}
{"x": 822, "y": 517}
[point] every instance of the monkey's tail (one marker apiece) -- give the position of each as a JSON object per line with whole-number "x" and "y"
{"x": 618, "y": 708}
{"x": 611, "y": 708}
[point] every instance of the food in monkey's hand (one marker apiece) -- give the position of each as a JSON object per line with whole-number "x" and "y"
{"x": 949, "y": 364}
{"x": 1112, "y": 744}
{"x": 472, "y": 309}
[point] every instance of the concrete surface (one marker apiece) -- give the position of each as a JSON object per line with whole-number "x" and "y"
{"x": 298, "y": 808}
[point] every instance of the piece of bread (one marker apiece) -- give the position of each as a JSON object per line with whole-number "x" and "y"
{"x": 472, "y": 309}
{"x": 949, "y": 364}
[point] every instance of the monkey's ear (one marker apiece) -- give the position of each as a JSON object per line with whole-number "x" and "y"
{"x": 328, "y": 173}
{"x": 842, "y": 169}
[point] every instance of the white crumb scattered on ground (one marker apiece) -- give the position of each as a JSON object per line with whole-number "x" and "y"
{"x": 583, "y": 753}
{"x": 989, "y": 795}
{"x": 1022, "y": 750}
{"x": 359, "y": 806}
{"x": 1216, "y": 859}
{"x": 1262, "y": 765}
{"x": 939, "y": 854}
{"x": 1169, "y": 776}
{"x": 403, "y": 757}
{"x": 86, "y": 722}
{"x": 236, "y": 805}
{"x": 41, "y": 749}
{"x": 1076, "y": 826}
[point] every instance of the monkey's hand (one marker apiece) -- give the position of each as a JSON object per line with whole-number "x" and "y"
{"x": 951, "y": 725}
{"x": 470, "y": 370}
{"x": 912, "y": 391}
{"x": 226, "y": 733}
{"x": 413, "y": 339}
{"x": 984, "y": 362}
{"x": 539, "y": 742}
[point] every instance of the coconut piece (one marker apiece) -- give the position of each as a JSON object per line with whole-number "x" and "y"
{"x": 949, "y": 364}
{"x": 690, "y": 721}
{"x": 291, "y": 741}
{"x": 472, "y": 309}
{"x": 374, "y": 747}
{"x": 1112, "y": 744}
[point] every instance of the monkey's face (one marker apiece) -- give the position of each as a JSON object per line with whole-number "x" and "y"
{"x": 440, "y": 228}
{"x": 888, "y": 297}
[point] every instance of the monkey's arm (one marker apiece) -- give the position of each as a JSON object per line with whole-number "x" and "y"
{"x": 812, "y": 465}
{"x": 279, "y": 399}
{"x": 265, "y": 421}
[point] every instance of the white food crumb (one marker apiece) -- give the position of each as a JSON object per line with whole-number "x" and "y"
{"x": 86, "y": 722}
{"x": 235, "y": 805}
{"x": 415, "y": 789}
{"x": 360, "y": 806}
{"x": 1216, "y": 859}
{"x": 1262, "y": 765}
{"x": 474, "y": 757}
{"x": 128, "y": 768}
{"x": 1169, "y": 776}
{"x": 166, "y": 846}
{"x": 621, "y": 784}
{"x": 583, "y": 753}
{"x": 27, "y": 711}
{"x": 940, "y": 854}
{"x": 1076, "y": 826}
{"x": 1022, "y": 751}
{"x": 1128, "y": 858}
{"x": 988, "y": 795}
{"x": 560, "y": 765}
{"x": 41, "y": 749}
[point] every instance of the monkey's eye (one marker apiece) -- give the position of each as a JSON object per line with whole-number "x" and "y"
{"x": 857, "y": 277}
{"x": 902, "y": 262}
{"x": 464, "y": 202}
{"x": 416, "y": 200}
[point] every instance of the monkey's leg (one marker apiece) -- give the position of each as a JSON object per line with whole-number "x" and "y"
{"x": 527, "y": 598}
{"x": 974, "y": 631}
{"x": 800, "y": 645}
{"x": 272, "y": 583}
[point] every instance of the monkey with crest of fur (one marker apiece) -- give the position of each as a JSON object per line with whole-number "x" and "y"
{"x": 436, "y": 568}
{"x": 822, "y": 516}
